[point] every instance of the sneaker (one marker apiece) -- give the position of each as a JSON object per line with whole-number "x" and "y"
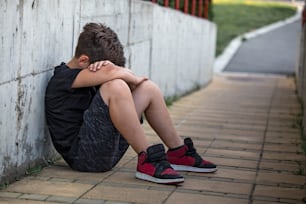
{"x": 186, "y": 158}
{"x": 153, "y": 166}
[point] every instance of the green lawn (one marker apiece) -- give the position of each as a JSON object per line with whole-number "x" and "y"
{"x": 235, "y": 17}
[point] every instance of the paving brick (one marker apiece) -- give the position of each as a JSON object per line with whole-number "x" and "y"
{"x": 264, "y": 202}
{"x": 234, "y": 153}
{"x": 291, "y": 201}
{"x": 117, "y": 202}
{"x": 286, "y": 129}
{"x": 259, "y": 128}
{"x": 230, "y": 162}
{"x": 239, "y": 132}
{"x": 284, "y": 156}
{"x": 288, "y": 122}
{"x": 277, "y": 134}
{"x": 89, "y": 201}
{"x": 279, "y": 192}
{"x": 245, "y": 135}
{"x": 291, "y": 148}
{"x": 61, "y": 180}
{"x": 131, "y": 165}
{"x": 21, "y": 201}
{"x": 198, "y": 124}
{"x": 49, "y": 188}
{"x": 280, "y": 178}
{"x": 290, "y": 141}
{"x": 242, "y": 137}
{"x": 185, "y": 129}
{"x": 133, "y": 195}
{"x": 220, "y": 116}
{"x": 230, "y": 174}
{"x": 219, "y": 144}
{"x": 61, "y": 199}
{"x": 4, "y": 194}
{"x": 66, "y": 173}
{"x": 208, "y": 185}
{"x": 281, "y": 166}
{"x": 183, "y": 198}
{"x": 34, "y": 197}
{"x": 203, "y": 134}
{"x": 129, "y": 179}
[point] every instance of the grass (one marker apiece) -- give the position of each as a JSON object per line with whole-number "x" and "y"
{"x": 34, "y": 170}
{"x": 236, "y": 17}
{"x": 3, "y": 186}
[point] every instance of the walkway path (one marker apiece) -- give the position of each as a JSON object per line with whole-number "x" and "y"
{"x": 275, "y": 52}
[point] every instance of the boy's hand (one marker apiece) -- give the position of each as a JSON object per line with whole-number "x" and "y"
{"x": 138, "y": 81}
{"x": 98, "y": 65}
{"x": 103, "y": 71}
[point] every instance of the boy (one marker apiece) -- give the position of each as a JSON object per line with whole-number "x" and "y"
{"x": 94, "y": 109}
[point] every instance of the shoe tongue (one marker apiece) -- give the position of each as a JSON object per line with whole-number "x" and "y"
{"x": 193, "y": 152}
{"x": 156, "y": 148}
{"x": 189, "y": 143}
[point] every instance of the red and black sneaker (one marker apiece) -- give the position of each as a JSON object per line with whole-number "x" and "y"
{"x": 186, "y": 158}
{"x": 153, "y": 166}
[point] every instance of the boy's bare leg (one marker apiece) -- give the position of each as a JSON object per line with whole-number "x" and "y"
{"x": 148, "y": 99}
{"x": 117, "y": 95}
{"x": 126, "y": 109}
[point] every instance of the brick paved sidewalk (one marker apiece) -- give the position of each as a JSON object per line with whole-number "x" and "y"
{"x": 244, "y": 123}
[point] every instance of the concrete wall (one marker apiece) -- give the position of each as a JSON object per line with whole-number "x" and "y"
{"x": 174, "y": 50}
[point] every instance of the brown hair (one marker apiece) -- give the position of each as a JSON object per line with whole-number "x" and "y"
{"x": 100, "y": 42}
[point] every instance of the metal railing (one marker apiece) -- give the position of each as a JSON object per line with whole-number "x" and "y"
{"x": 199, "y": 8}
{"x": 304, "y": 15}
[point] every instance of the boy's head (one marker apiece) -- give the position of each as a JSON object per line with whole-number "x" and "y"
{"x": 100, "y": 42}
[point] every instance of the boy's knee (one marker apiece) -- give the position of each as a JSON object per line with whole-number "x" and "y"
{"x": 150, "y": 86}
{"x": 114, "y": 88}
{"x": 116, "y": 85}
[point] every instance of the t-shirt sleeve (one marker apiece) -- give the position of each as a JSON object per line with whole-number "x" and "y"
{"x": 64, "y": 78}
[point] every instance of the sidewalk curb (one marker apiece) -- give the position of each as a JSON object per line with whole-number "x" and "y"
{"x": 222, "y": 60}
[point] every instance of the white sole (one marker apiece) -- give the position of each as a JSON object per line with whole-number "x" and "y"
{"x": 146, "y": 177}
{"x": 192, "y": 169}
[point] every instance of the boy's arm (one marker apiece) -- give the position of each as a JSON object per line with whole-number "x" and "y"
{"x": 88, "y": 78}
